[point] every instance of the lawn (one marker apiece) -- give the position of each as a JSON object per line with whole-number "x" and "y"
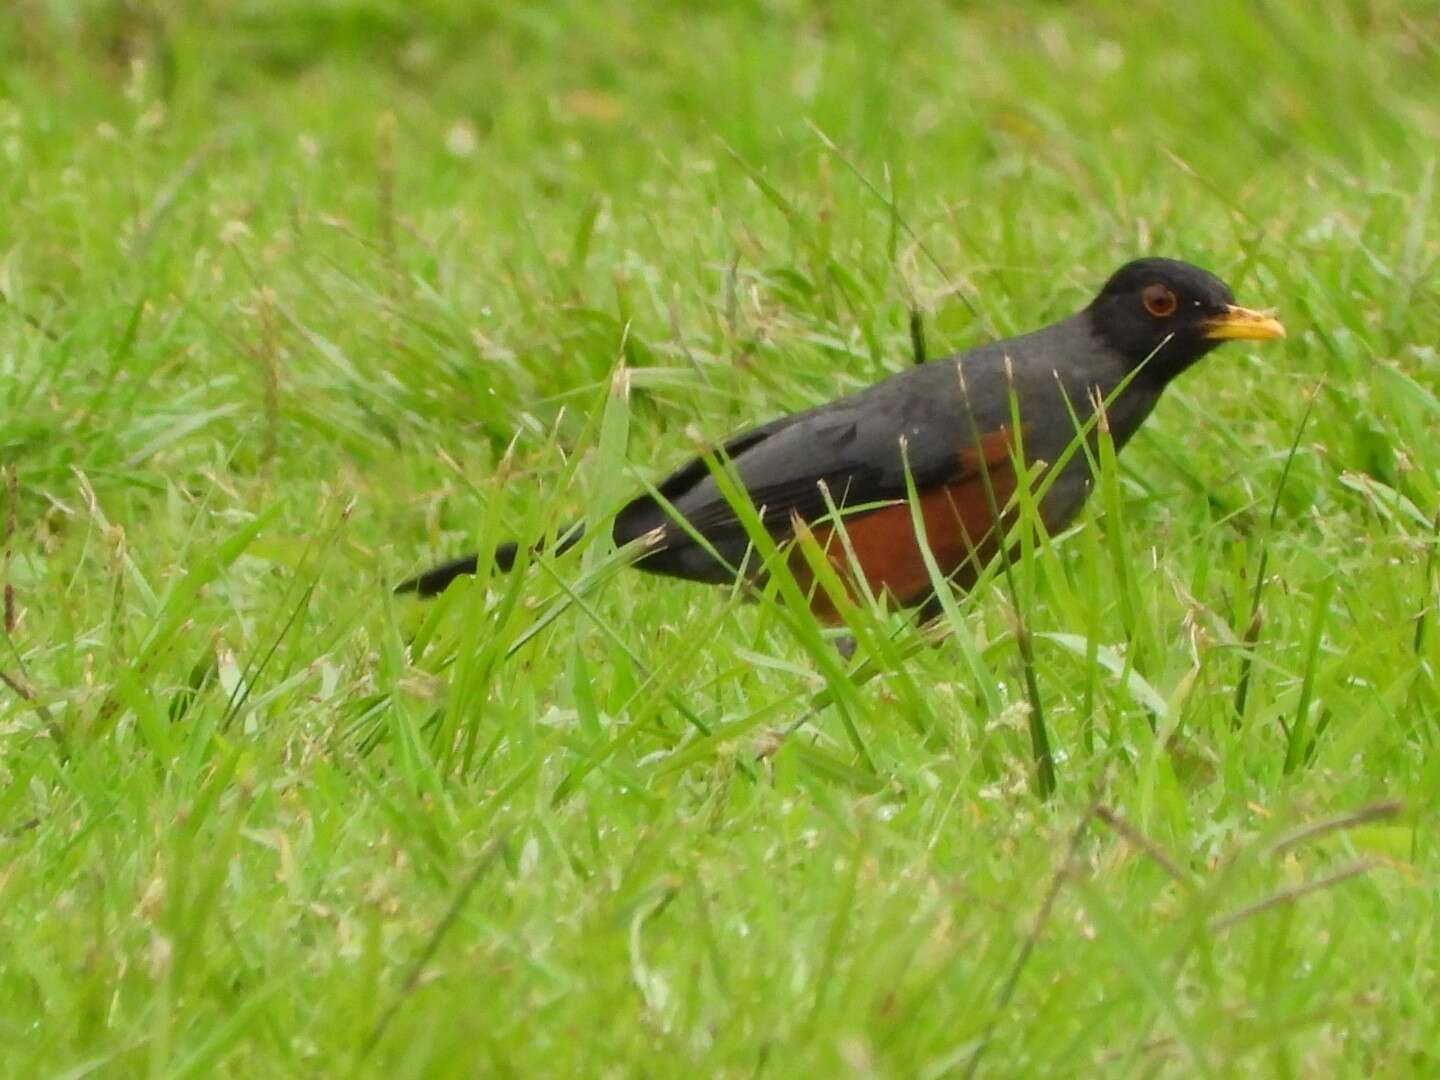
{"x": 296, "y": 299}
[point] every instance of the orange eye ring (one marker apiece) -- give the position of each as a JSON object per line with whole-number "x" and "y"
{"x": 1159, "y": 300}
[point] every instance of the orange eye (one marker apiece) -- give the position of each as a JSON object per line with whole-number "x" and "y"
{"x": 1159, "y": 300}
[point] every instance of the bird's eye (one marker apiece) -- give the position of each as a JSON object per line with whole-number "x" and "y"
{"x": 1159, "y": 300}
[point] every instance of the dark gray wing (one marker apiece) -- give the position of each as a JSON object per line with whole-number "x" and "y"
{"x": 852, "y": 447}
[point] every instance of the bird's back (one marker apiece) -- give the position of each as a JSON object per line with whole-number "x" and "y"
{"x": 857, "y": 449}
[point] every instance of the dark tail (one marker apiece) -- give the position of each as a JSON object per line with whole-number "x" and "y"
{"x": 434, "y": 582}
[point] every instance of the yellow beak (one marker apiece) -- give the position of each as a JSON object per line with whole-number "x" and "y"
{"x": 1242, "y": 324}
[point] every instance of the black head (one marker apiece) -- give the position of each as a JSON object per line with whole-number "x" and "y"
{"x": 1167, "y": 314}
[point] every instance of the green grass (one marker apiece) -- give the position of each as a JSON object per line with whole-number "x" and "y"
{"x": 298, "y": 298}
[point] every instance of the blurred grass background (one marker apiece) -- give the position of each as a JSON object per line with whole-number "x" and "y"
{"x": 296, "y": 297}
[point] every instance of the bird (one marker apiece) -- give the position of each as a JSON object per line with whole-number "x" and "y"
{"x": 962, "y": 430}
